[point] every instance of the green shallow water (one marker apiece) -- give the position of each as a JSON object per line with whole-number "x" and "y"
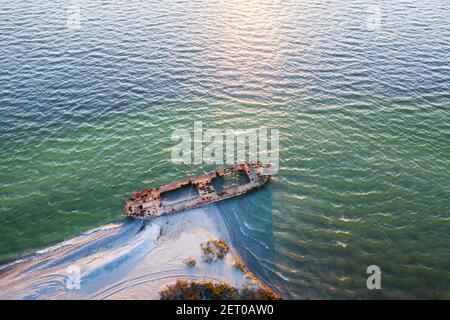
{"x": 87, "y": 116}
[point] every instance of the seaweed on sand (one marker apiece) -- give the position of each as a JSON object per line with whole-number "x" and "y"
{"x": 208, "y": 290}
{"x": 214, "y": 250}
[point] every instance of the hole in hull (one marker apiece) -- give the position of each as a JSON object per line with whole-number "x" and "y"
{"x": 187, "y": 192}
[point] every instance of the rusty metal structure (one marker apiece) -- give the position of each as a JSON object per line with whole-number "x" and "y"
{"x": 197, "y": 191}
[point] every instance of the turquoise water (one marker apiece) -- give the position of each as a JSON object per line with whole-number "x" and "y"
{"x": 87, "y": 114}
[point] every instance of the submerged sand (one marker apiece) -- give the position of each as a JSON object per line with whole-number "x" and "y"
{"x": 132, "y": 260}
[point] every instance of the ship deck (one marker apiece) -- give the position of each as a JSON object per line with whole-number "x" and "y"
{"x": 196, "y": 191}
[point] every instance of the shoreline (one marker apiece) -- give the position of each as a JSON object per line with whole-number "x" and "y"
{"x": 130, "y": 260}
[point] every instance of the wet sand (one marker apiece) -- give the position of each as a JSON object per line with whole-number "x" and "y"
{"x": 130, "y": 260}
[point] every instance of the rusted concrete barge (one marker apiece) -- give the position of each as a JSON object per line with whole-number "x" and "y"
{"x": 189, "y": 193}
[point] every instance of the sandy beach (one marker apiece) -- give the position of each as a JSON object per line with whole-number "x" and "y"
{"x": 130, "y": 260}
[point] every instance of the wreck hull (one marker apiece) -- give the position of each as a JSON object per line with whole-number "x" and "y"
{"x": 152, "y": 203}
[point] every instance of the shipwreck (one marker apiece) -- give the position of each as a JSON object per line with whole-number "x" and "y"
{"x": 193, "y": 192}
